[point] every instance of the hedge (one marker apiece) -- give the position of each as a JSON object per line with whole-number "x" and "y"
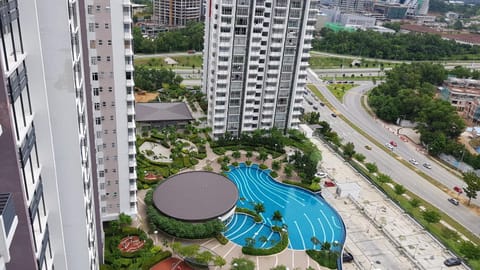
{"x": 310, "y": 187}
{"x": 277, "y": 248}
{"x": 256, "y": 217}
{"x": 221, "y": 239}
{"x": 274, "y": 174}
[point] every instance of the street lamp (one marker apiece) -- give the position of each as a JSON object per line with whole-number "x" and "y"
{"x": 156, "y": 236}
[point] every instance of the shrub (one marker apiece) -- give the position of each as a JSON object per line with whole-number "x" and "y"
{"x": 263, "y": 166}
{"x": 359, "y": 156}
{"x": 371, "y": 167}
{"x": 149, "y": 152}
{"x": 303, "y": 185}
{"x": 277, "y": 248}
{"x": 325, "y": 258}
{"x": 256, "y": 217}
{"x": 274, "y": 174}
{"x": 221, "y": 239}
{"x": 225, "y": 168}
{"x": 248, "y": 162}
{"x": 235, "y": 164}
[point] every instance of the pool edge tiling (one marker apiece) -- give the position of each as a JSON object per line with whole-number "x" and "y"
{"x": 305, "y": 213}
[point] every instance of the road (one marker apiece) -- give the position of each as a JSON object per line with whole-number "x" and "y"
{"x": 351, "y": 109}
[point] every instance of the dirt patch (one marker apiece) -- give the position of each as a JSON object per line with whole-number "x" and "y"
{"x": 145, "y": 96}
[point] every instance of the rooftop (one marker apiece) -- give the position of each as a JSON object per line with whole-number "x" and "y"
{"x": 176, "y": 111}
{"x": 196, "y": 196}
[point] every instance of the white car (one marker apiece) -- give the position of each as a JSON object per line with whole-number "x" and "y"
{"x": 321, "y": 174}
{"x": 389, "y": 146}
{"x": 413, "y": 161}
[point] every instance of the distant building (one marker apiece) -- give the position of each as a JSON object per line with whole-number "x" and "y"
{"x": 176, "y": 13}
{"x": 351, "y": 5}
{"x": 358, "y": 21}
{"x": 464, "y": 95}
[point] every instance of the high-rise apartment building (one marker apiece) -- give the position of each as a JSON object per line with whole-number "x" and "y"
{"x": 46, "y": 161}
{"x": 176, "y": 13}
{"x": 66, "y": 130}
{"x": 109, "y": 42}
{"x": 255, "y": 63}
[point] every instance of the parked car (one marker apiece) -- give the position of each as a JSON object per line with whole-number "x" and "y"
{"x": 321, "y": 174}
{"x": 393, "y": 143}
{"x": 458, "y": 189}
{"x": 322, "y": 104}
{"x": 427, "y": 165}
{"x": 315, "y": 108}
{"x": 368, "y": 147}
{"x": 452, "y": 261}
{"x": 333, "y": 115}
{"x": 413, "y": 161}
{"x": 453, "y": 201}
{"x": 347, "y": 256}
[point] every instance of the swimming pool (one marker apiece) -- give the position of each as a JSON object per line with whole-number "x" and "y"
{"x": 305, "y": 214}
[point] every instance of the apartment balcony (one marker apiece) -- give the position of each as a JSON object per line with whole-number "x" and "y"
{"x": 128, "y": 52}
{"x": 129, "y": 67}
{"x": 130, "y": 97}
{"x": 133, "y": 186}
{"x": 129, "y": 83}
{"x": 131, "y": 110}
{"x": 127, "y": 19}
{"x": 133, "y": 197}
{"x": 8, "y": 224}
{"x": 127, "y": 35}
{"x": 131, "y": 124}
{"x": 132, "y": 163}
{"x": 132, "y": 150}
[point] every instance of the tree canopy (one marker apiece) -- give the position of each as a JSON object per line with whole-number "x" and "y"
{"x": 188, "y": 38}
{"x": 397, "y": 46}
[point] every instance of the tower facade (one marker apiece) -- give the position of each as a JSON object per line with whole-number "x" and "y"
{"x": 177, "y": 13}
{"x": 255, "y": 60}
{"x": 110, "y": 50}
{"x": 46, "y": 155}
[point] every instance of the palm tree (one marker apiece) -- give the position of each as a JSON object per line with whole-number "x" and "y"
{"x": 315, "y": 241}
{"x": 277, "y": 216}
{"x": 326, "y": 245}
{"x": 249, "y": 155}
{"x": 259, "y": 208}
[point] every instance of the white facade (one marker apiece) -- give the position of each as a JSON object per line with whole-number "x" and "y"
{"x": 42, "y": 68}
{"x": 255, "y": 60}
{"x": 111, "y": 74}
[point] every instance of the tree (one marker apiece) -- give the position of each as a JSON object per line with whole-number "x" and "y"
{"x": 249, "y": 155}
{"x": 383, "y": 178}
{"x": 399, "y": 189}
{"x": 279, "y": 267}
{"x": 431, "y": 216}
{"x": 236, "y": 154}
{"x": 473, "y": 185}
{"x": 315, "y": 241}
{"x": 276, "y": 165}
{"x": 371, "y": 167}
{"x": 219, "y": 261}
{"x": 414, "y": 202}
{"x": 348, "y": 150}
{"x": 124, "y": 220}
{"x": 259, "y": 208}
{"x": 326, "y": 245}
{"x": 263, "y": 156}
{"x": 250, "y": 242}
{"x": 277, "y": 216}
{"x": 242, "y": 264}
{"x": 470, "y": 250}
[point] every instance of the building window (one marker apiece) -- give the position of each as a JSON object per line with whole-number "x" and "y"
{"x": 109, "y": 42}
{"x": 110, "y": 89}
{"x": 95, "y": 91}
{"x": 107, "y": 26}
{"x": 93, "y": 44}
{"x": 93, "y": 60}
{"x": 96, "y": 26}
{"x": 108, "y": 58}
{"x": 91, "y": 27}
{"x": 100, "y": 42}
{"x": 89, "y": 8}
{"x": 98, "y": 121}
{"x": 95, "y": 76}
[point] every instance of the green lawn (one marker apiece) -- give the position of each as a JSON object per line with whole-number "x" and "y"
{"x": 330, "y": 62}
{"x": 339, "y": 90}
{"x": 184, "y": 62}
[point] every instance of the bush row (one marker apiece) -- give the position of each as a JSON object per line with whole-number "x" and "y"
{"x": 277, "y": 248}
{"x": 256, "y": 217}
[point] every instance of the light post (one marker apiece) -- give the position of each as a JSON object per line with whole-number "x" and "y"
{"x": 156, "y": 236}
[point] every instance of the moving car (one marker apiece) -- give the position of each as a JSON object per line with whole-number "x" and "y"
{"x": 315, "y": 108}
{"x": 347, "y": 256}
{"x": 389, "y": 146}
{"x": 452, "y": 261}
{"x": 322, "y": 104}
{"x": 393, "y": 143}
{"x": 427, "y": 165}
{"x": 453, "y": 201}
{"x": 321, "y": 174}
{"x": 333, "y": 115}
{"x": 413, "y": 161}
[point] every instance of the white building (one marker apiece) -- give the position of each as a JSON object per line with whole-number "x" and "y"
{"x": 110, "y": 50}
{"x": 255, "y": 60}
{"x": 45, "y": 145}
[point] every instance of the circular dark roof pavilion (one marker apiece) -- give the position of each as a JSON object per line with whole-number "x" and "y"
{"x": 196, "y": 196}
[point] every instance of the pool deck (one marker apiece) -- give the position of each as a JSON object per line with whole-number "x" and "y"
{"x": 379, "y": 237}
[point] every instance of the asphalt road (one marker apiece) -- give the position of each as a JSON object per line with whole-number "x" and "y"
{"x": 351, "y": 109}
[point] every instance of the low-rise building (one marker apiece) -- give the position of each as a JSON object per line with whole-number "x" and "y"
{"x": 160, "y": 115}
{"x": 464, "y": 95}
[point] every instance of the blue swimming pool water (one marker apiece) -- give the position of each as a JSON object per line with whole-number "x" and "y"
{"x": 305, "y": 213}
